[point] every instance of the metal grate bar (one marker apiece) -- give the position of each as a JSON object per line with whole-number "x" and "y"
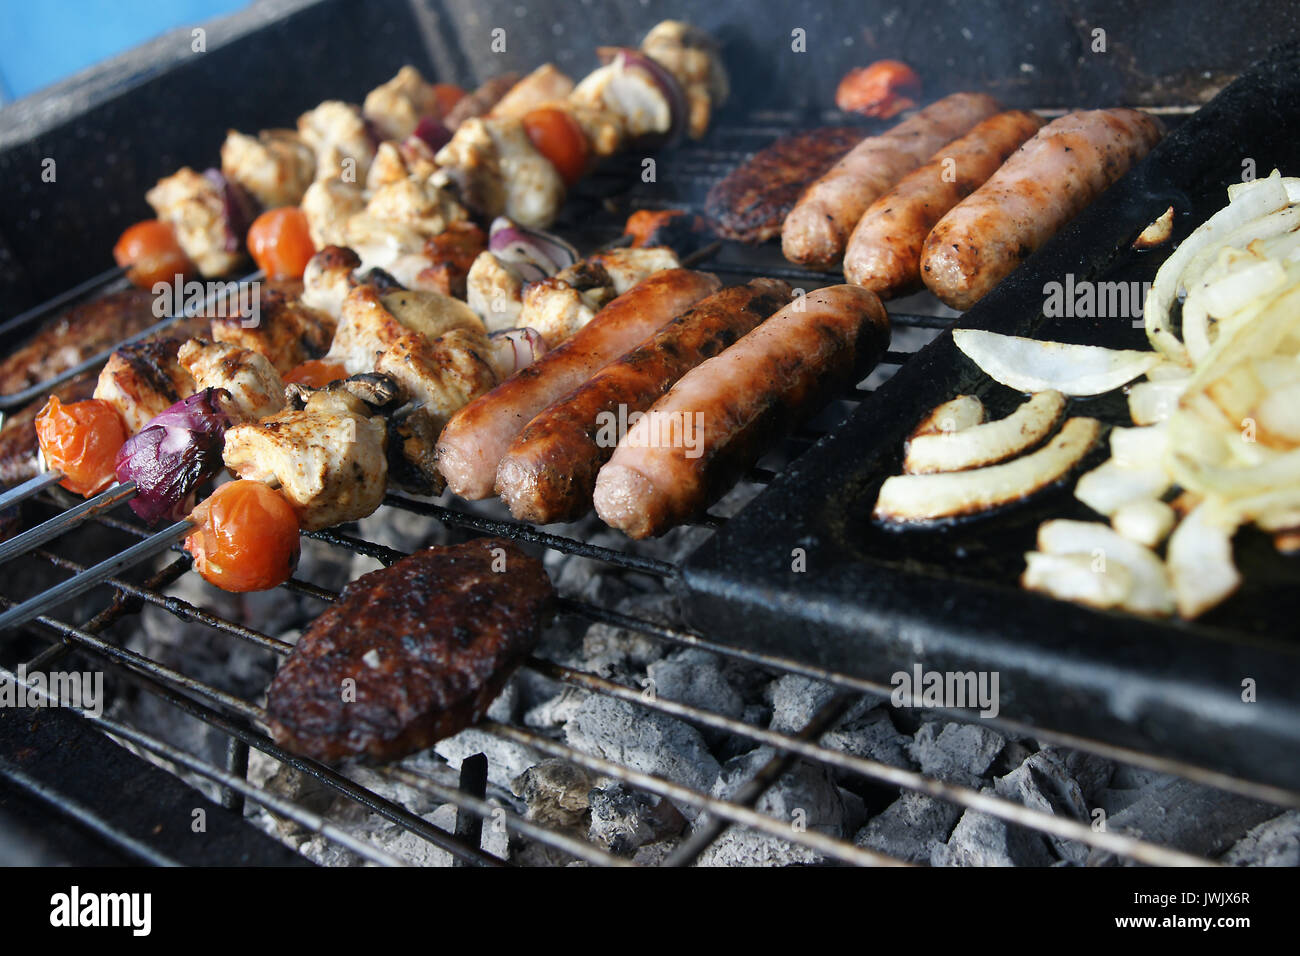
{"x": 65, "y": 521}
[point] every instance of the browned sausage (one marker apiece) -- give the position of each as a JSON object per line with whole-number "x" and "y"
{"x": 815, "y": 232}
{"x": 550, "y": 470}
{"x": 478, "y": 435}
{"x": 1045, "y": 184}
{"x": 884, "y": 253}
{"x": 715, "y": 422}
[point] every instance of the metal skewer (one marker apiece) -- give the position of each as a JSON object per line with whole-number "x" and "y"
{"x": 29, "y": 487}
{"x": 92, "y": 576}
{"x": 59, "y": 524}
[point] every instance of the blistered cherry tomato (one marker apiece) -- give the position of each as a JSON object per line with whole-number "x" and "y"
{"x": 883, "y": 89}
{"x": 315, "y": 372}
{"x": 81, "y": 440}
{"x": 559, "y": 138}
{"x": 280, "y": 242}
{"x": 150, "y": 253}
{"x": 446, "y": 95}
{"x": 245, "y": 537}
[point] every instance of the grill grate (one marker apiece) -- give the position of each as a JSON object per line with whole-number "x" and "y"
{"x": 687, "y": 174}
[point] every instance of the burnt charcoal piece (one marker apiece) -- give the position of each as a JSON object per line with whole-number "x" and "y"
{"x": 429, "y": 642}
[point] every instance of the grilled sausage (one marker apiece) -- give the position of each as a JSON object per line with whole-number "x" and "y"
{"x": 426, "y": 643}
{"x": 550, "y": 470}
{"x": 715, "y": 422}
{"x": 815, "y": 232}
{"x": 884, "y": 253}
{"x": 478, "y": 435}
{"x": 1044, "y": 185}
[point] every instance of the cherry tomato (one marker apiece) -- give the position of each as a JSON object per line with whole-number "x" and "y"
{"x": 280, "y": 242}
{"x": 559, "y": 138}
{"x": 245, "y": 537}
{"x": 315, "y": 372}
{"x": 446, "y": 95}
{"x": 81, "y": 440}
{"x": 151, "y": 254}
{"x": 883, "y": 89}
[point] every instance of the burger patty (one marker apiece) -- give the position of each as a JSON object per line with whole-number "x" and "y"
{"x": 750, "y": 204}
{"x": 411, "y": 653}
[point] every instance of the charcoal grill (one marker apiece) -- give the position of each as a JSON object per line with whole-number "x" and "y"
{"x": 711, "y": 583}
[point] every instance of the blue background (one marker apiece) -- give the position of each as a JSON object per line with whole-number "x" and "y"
{"x": 43, "y": 41}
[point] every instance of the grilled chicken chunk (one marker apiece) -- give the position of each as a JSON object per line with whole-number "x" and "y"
{"x": 75, "y": 336}
{"x": 328, "y": 204}
{"x": 144, "y": 380}
{"x": 249, "y": 378}
{"x": 441, "y": 374}
{"x": 372, "y": 322}
{"x": 546, "y": 84}
{"x": 494, "y": 291}
{"x": 497, "y": 171}
{"x": 337, "y": 134}
{"x": 288, "y": 333}
{"x": 396, "y": 107}
{"x": 197, "y": 208}
{"x": 428, "y": 643}
{"x": 691, "y": 56}
{"x": 451, "y": 253}
{"x": 328, "y": 458}
{"x": 275, "y": 167}
{"x": 328, "y": 279}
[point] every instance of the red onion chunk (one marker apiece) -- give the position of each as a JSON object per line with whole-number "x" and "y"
{"x": 173, "y": 454}
{"x": 238, "y": 208}
{"x": 432, "y": 132}
{"x": 533, "y": 254}
{"x": 516, "y": 349}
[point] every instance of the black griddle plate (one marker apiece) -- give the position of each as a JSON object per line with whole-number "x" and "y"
{"x": 873, "y": 602}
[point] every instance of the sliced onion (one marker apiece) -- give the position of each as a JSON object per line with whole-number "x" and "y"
{"x": 1111, "y": 485}
{"x": 533, "y": 254}
{"x": 1290, "y": 183}
{"x": 1144, "y": 520}
{"x": 907, "y": 499}
{"x": 952, "y": 416}
{"x": 1267, "y": 195}
{"x": 1200, "y": 560}
{"x": 1150, "y": 593}
{"x": 173, "y": 454}
{"x": 1153, "y": 402}
{"x": 979, "y": 445}
{"x": 1077, "y": 578}
{"x": 515, "y": 349}
{"x": 1031, "y": 365}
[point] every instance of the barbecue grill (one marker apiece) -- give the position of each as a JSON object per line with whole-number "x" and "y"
{"x": 742, "y": 607}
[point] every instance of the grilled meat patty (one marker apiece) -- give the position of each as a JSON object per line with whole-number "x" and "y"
{"x": 75, "y": 336}
{"x": 750, "y": 204}
{"x": 429, "y": 642}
